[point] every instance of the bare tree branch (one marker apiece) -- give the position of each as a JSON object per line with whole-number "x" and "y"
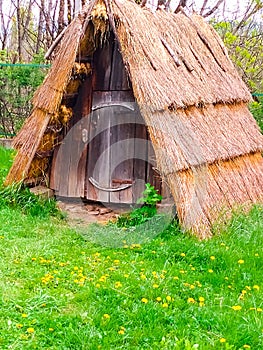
{"x": 213, "y": 9}
{"x": 182, "y": 3}
{"x": 203, "y": 7}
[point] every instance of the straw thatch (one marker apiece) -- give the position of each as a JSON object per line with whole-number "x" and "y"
{"x": 207, "y": 144}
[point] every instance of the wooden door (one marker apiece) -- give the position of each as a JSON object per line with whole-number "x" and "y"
{"x": 114, "y": 124}
{"x": 104, "y": 156}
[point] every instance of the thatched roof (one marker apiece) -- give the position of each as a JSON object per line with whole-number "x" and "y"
{"x": 204, "y": 75}
{"x": 189, "y": 93}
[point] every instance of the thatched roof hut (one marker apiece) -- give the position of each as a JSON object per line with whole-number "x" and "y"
{"x": 206, "y": 142}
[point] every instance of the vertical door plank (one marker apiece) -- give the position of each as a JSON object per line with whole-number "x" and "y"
{"x": 122, "y": 154}
{"x": 140, "y": 163}
{"x": 98, "y": 165}
{"x": 102, "y": 61}
{"x": 119, "y": 77}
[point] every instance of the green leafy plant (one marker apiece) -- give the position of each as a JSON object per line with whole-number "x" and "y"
{"x": 150, "y": 197}
{"x": 244, "y": 44}
{"x": 256, "y": 109}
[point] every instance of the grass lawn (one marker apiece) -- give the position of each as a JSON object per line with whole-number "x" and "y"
{"x": 60, "y": 291}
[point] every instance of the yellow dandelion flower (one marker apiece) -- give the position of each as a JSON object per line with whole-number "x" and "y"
{"x": 236, "y": 307}
{"x": 24, "y": 315}
{"x": 162, "y": 276}
{"x": 226, "y": 278}
{"x": 201, "y": 299}
{"x": 116, "y": 261}
{"x": 229, "y": 286}
{"x": 168, "y": 298}
{"x": 193, "y": 268}
{"x": 144, "y": 300}
{"x": 176, "y": 278}
{"x": 97, "y": 285}
{"x": 165, "y": 305}
{"x": 222, "y": 340}
{"x": 159, "y": 299}
{"x": 256, "y": 254}
{"x": 19, "y": 325}
{"x": 182, "y": 271}
{"x": 191, "y": 300}
{"x": 112, "y": 268}
{"x": 75, "y": 268}
{"x": 259, "y": 309}
{"x": 137, "y": 245}
{"x": 121, "y": 331}
{"x": 51, "y": 329}
{"x": 212, "y": 257}
{"x": 153, "y": 252}
{"x": 155, "y": 285}
{"x": 142, "y": 276}
{"x": 30, "y": 330}
{"x": 201, "y": 304}
{"x": 192, "y": 286}
{"x": 210, "y": 271}
{"x": 241, "y": 261}
{"x": 118, "y": 284}
{"x": 126, "y": 275}
{"x": 182, "y": 254}
{"x": 246, "y": 346}
{"x": 256, "y": 287}
{"x": 102, "y": 278}
{"x": 106, "y": 316}
{"x": 222, "y": 244}
{"x": 34, "y": 259}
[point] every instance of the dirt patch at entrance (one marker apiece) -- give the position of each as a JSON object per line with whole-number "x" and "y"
{"x": 81, "y": 213}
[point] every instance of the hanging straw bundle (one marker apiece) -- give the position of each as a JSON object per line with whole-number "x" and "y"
{"x": 47, "y": 99}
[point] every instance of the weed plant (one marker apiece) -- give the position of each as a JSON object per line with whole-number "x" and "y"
{"x": 19, "y": 196}
{"x": 146, "y": 211}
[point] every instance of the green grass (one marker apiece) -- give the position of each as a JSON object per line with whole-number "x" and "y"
{"x": 6, "y": 156}
{"x": 60, "y": 291}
